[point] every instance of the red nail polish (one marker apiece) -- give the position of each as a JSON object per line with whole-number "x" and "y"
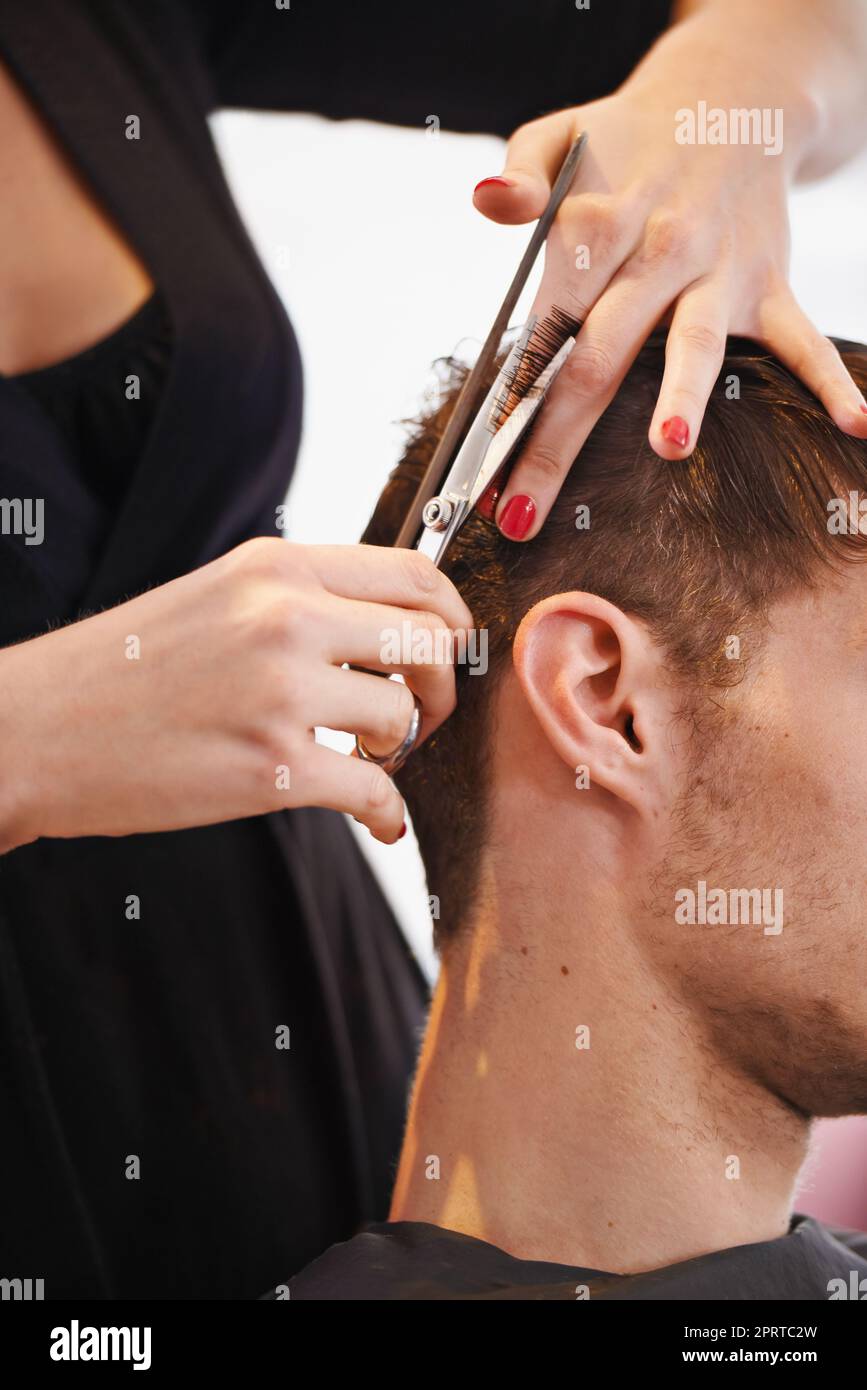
{"x": 402, "y": 832}
{"x": 487, "y": 503}
{"x": 864, "y": 409}
{"x": 518, "y": 517}
{"x": 495, "y": 179}
{"x": 676, "y": 431}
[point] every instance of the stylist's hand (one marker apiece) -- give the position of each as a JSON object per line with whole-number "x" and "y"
{"x": 214, "y": 718}
{"x": 697, "y": 234}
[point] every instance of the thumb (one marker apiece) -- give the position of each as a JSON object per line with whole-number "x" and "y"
{"x": 533, "y": 159}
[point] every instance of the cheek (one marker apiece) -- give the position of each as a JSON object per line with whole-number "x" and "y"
{"x": 799, "y": 738}
{"x": 778, "y": 811}
{"x": 814, "y": 772}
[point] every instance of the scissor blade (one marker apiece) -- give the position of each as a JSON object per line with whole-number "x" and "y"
{"x": 516, "y": 423}
{"x": 470, "y": 395}
{"x": 470, "y": 457}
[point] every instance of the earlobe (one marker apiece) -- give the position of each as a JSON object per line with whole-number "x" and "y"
{"x": 586, "y": 671}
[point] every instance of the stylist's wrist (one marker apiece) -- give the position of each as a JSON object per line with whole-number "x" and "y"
{"x": 728, "y": 60}
{"x": 18, "y": 755}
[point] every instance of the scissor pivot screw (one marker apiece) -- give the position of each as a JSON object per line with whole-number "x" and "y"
{"x": 437, "y": 513}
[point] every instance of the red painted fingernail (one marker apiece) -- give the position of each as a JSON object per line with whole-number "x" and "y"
{"x": 864, "y": 409}
{"x": 518, "y": 517}
{"x": 495, "y": 178}
{"x": 402, "y": 832}
{"x": 676, "y": 430}
{"x": 487, "y": 503}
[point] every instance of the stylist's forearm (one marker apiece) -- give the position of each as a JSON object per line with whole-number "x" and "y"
{"x": 808, "y": 58}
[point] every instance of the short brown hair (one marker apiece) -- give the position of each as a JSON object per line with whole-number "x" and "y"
{"x": 698, "y": 549}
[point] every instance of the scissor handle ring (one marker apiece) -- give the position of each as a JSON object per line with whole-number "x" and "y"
{"x": 390, "y": 762}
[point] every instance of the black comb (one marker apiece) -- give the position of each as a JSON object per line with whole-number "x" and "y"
{"x": 475, "y": 386}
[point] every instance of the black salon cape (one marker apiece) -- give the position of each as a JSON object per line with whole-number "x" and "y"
{"x": 411, "y": 1260}
{"x": 154, "y": 1039}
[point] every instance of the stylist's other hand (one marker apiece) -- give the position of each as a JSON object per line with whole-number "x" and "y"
{"x": 197, "y": 702}
{"x": 655, "y": 230}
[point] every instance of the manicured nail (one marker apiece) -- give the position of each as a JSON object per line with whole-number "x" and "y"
{"x": 518, "y": 517}
{"x": 495, "y": 178}
{"x": 676, "y": 431}
{"x": 487, "y": 503}
{"x": 402, "y": 832}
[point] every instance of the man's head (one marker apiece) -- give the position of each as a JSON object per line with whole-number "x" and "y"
{"x": 670, "y": 737}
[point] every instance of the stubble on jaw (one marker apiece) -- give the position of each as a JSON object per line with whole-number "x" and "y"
{"x": 780, "y": 1009}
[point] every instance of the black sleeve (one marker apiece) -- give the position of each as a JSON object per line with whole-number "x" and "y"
{"x": 481, "y": 65}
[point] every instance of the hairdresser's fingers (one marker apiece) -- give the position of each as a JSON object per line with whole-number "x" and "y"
{"x": 381, "y": 711}
{"x": 786, "y": 330}
{"x": 359, "y": 788}
{"x": 694, "y": 353}
{"x": 413, "y": 644}
{"x": 593, "y": 238}
{"x": 605, "y": 349}
{"x": 533, "y": 158}
{"x": 380, "y": 574}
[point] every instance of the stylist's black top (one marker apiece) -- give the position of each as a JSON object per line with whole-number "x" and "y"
{"x": 154, "y": 1140}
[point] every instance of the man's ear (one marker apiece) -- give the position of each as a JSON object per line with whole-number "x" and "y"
{"x": 591, "y": 676}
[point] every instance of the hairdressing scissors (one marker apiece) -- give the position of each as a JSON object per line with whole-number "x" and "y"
{"x": 478, "y": 441}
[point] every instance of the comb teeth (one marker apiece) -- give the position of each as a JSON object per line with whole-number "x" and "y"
{"x": 547, "y": 337}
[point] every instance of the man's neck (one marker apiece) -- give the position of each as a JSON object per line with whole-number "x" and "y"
{"x": 570, "y": 1108}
